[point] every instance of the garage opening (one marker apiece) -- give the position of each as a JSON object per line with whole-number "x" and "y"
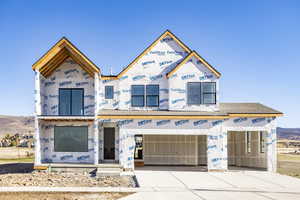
{"x": 247, "y": 149}
{"x": 171, "y": 150}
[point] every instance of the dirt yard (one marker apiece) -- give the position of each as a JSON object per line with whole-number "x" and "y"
{"x": 15, "y": 152}
{"x": 289, "y": 164}
{"x": 60, "y": 195}
{"x": 22, "y": 174}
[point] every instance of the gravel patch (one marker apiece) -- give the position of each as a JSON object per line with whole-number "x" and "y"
{"x": 22, "y": 174}
{"x": 60, "y": 195}
{"x": 62, "y": 179}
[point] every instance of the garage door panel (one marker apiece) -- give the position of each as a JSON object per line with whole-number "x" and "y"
{"x": 170, "y": 150}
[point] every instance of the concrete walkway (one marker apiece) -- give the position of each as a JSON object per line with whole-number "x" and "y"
{"x": 161, "y": 184}
{"x": 215, "y": 185}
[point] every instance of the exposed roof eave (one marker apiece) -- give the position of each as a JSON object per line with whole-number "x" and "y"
{"x": 166, "y": 33}
{"x": 187, "y": 116}
{"x": 69, "y": 49}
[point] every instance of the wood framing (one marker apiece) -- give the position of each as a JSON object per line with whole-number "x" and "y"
{"x": 161, "y": 117}
{"x": 255, "y": 115}
{"x": 58, "y": 54}
{"x": 166, "y": 33}
{"x": 187, "y": 117}
{"x": 196, "y": 55}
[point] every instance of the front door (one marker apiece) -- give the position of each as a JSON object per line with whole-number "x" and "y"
{"x": 109, "y": 143}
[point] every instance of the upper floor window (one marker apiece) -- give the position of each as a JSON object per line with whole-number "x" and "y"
{"x": 109, "y": 92}
{"x": 201, "y": 93}
{"x": 71, "y": 101}
{"x": 142, "y": 95}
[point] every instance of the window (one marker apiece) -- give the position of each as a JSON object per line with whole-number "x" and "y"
{"x": 208, "y": 92}
{"x": 262, "y": 144}
{"x": 248, "y": 142}
{"x": 71, "y": 139}
{"x": 71, "y": 101}
{"x": 152, "y": 95}
{"x": 193, "y": 93}
{"x": 138, "y": 151}
{"x": 109, "y": 92}
{"x": 142, "y": 93}
{"x": 137, "y": 95}
{"x": 201, "y": 93}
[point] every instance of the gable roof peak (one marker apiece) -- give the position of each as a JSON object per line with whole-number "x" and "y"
{"x": 198, "y": 57}
{"x": 58, "y": 53}
{"x": 163, "y": 35}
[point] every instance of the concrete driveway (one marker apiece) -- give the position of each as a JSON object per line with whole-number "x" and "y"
{"x": 159, "y": 183}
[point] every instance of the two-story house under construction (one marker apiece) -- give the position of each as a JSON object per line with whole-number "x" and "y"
{"x": 162, "y": 109}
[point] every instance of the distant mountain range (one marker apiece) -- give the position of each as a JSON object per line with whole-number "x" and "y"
{"x": 288, "y": 133}
{"x": 16, "y": 124}
{"x": 25, "y": 125}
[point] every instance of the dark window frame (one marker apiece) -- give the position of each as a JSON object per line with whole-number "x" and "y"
{"x": 132, "y": 95}
{"x": 105, "y": 95}
{"x": 145, "y": 102}
{"x": 152, "y": 95}
{"x": 248, "y": 142}
{"x": 215, "y": 93}
{"x": 202, "y": 93}
{"x": 87, "y": 141}
{"x": 187, "y": 94}
{"x": 262, "y": 143}
{"x": 82, "y": 89}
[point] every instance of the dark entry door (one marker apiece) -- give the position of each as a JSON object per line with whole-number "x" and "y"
{"x": 109, "y": 143}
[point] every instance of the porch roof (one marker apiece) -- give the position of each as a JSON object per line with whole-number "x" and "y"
{"x": 227, "y": 110}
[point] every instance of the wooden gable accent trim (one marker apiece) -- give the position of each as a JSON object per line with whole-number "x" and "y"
{"x": 166, "y": 33}
{"x": 58, "y": 54}
{"x": 196, "y": 55}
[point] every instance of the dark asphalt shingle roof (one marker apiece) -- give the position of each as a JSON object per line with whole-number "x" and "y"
{"x": 225, "y": 109}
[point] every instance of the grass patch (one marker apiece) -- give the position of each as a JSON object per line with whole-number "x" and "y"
{"x": 289, "y": 164}
{"x": 16, "y": 160}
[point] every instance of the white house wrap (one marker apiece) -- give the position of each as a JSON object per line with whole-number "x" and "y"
{"x": 175, "y": 117}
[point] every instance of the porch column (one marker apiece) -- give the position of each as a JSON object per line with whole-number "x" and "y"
{"x": 272, "y": 150}
{"x": 126, "y": 149}
{"x": 37, "y": 142}
{"x": 37, "y": 111}
{"x": 96, "y": 123}
{"x": 217, "y": 151}
{"x": 96, "y": 142}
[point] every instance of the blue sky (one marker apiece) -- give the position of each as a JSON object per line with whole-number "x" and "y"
{"x": 254, "y": 44}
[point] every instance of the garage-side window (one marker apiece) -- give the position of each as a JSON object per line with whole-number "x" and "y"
{"x": 262, "y": 143}
{"x": 71, "y": 139}
{"x": 248, "y": 142}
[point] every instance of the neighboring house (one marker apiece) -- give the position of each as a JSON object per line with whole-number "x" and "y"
{"x": 162, "y": 109}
